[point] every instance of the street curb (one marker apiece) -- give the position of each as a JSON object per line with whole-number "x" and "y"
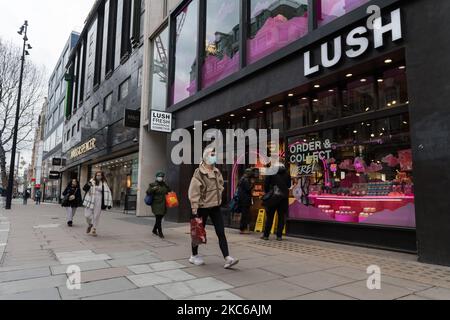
{"x": 4, "y": 233}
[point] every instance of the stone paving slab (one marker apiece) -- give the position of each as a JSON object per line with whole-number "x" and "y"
{"x": 46, "y": 294}
{"x": 24, "y": 274}
{"x": 31, "y": 284}
{"x": 295, "y": 268}
{"x": 324, "y": 295}
{"x": 152, "y": 279}
{"x": 239, "y": 278}
{"x": 80, "y": 256}
{"x": 180, "y": 290}
{"x": 435, "y": 293}
{"x": 359, "y": 291}
{"x": 84, "y": 266}
{"x": 97, "y": 288}
{"x": 271, "y": 290}
{"x": 143, "y": 259}
{"x": 320, "y": 280}
{"x": 219, "y": 296}
{"x": 146, "y": 294}
{"x": 104, "y": 274}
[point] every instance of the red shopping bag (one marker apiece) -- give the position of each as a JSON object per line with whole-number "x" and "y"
{"x": 172, "y": 200}
{"x": 198, "y": 232}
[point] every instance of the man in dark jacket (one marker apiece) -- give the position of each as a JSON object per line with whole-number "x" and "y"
{"x": 159, "y": 189}
{"x": 245, "y": 199}
{"x": 283, "y": 181}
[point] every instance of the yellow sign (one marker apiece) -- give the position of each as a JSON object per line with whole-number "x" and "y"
{"x": 275, "y": 225}
{"x": 85, "y": 147}
{"x": 260, "y": 221}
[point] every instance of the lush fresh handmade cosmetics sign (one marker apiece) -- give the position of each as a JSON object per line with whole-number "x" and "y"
{"x": 161, "y": 121}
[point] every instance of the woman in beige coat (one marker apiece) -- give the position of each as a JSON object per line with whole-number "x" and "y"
{"x": 205, "y": 195}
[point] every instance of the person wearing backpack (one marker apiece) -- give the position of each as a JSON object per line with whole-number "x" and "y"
{"x": 157, "y": 192}
{"x": 205, "y": 195}
{"x": 245, "y": 200}
{"x": 276, "y": 200}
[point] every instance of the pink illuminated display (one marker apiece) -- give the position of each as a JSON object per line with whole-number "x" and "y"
{"x": 215, "y": 69}
{"x": 276, "y": 33}
{"x": 332, "y": 9}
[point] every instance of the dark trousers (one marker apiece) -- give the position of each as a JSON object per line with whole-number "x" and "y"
{"x": 158, "y": 224}
{"x": 245, "y": 218}
{"x": 217, "y": 220}
{"x": 282, "y": 208}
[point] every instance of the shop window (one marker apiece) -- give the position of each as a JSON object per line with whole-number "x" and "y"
{"x": 274, "y": 24}
{"x": 329, "y": 10}
{"x": 299, "y": 113}
{"x": 185, "y": 80}
{"x": 325, "y": 106}
{"x": 160, "y": 65}
{"x": 257, "y": 122}
{"x": 359, "y": 97}
{"x": 73, "y": 129}
{"x": 79, "y": 125}
{"x": 355, "y": 174}
{"x": 94, "y": 113}
{"x": 222, "y": 40}
{"x": 393, "y": 88}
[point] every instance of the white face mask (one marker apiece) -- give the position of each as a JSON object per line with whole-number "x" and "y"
{"x": 160, "y": 179}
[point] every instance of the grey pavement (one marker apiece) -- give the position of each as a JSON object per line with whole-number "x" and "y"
{"x": 126, "y": 262}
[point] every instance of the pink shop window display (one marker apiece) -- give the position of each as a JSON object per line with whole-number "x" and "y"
{"x": 329, "y": 10}
{"x": 350, "y": 190}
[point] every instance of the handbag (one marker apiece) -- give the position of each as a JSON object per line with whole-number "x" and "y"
{"x": 172, "y": 200}
{"x": 65, "y": 201}
{"x": 149, "y": 200}
{"x": 198, "y": 232}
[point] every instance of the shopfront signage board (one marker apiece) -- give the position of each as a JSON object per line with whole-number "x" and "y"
{"x": 54, "y": 175}
{"x": 132, "y": 118}
{"x": 161, "y": 121}
{"x": 84, "y": 148}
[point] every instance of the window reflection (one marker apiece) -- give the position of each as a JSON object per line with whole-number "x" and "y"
{"x": 359, "y": 97}
{"x": 222, "y": 40}
{"x": 186, "y": 53}
{"x": 275, "y": 24}
{"x": 160, "y": 71}
{"x": 329, "y": 10}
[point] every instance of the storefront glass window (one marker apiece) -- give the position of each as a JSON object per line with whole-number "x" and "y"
{"x": 186, "y": 53}
{"x": 299, "y": 114}
{"x": 359, "y": 97}
{"x": 325, "y": 106}
{"x": 222, "y": 40}
{"x": 160, "y": 66}
{"x": 275, "y": 24}
{"x": 257, "y": 122}
{"x": 355, "y": 174}
{"x": 329, "y": 10}
{"x": 393, "y": 89}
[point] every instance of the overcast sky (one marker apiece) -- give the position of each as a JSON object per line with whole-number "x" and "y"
{"x": 50, "y": 23}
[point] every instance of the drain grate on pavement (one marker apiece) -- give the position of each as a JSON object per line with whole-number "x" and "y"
{"x": 408, "y": 270}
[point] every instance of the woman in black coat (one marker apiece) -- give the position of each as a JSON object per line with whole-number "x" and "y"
{"x": 245, "y": 188}
{"x": 72, "y": 200}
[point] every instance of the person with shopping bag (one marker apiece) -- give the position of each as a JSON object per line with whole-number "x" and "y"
{"x": 97, "y": 199}
{"x": 160, "y": 194}
{"x": 205, "y": 196}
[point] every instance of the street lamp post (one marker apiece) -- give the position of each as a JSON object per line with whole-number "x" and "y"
{"x": 9, "y": 194}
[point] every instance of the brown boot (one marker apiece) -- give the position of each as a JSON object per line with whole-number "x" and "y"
{"x": 89, "y": 228}
{"x": 93, "y": 232}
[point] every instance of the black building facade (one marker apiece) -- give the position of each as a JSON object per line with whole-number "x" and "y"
{"x": 104, "y": 77}
{"x": 360, "y": 102}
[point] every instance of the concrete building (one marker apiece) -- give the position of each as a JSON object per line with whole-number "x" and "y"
{"x": 104, "y": 81}
{"x": 54, "y": 124}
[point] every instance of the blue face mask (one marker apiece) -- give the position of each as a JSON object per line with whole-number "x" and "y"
{"x": 212, "y": 160}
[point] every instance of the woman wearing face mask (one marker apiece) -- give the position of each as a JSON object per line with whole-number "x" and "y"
{"x": 159, "y": 189}
{"x": 98, "y": 198}
{"x": 205, "y": 195}
{"x": 72, "y": 200}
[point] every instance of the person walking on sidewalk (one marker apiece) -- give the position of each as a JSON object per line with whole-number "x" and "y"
{"x": 205, "y": 195}
{"x": 98, "y": 198}
{"x": 245, "y": 188}
{"x": 37, "y": 196}
{"x": 277, "y": 186}
{"x": 158, "y": 190}
{"x": 26, "y": 195}
{"x": 72, "y": 200}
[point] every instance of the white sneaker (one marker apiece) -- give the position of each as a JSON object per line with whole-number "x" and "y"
{"x": 230, "y": 262}
{"x": 196, "y": 260}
